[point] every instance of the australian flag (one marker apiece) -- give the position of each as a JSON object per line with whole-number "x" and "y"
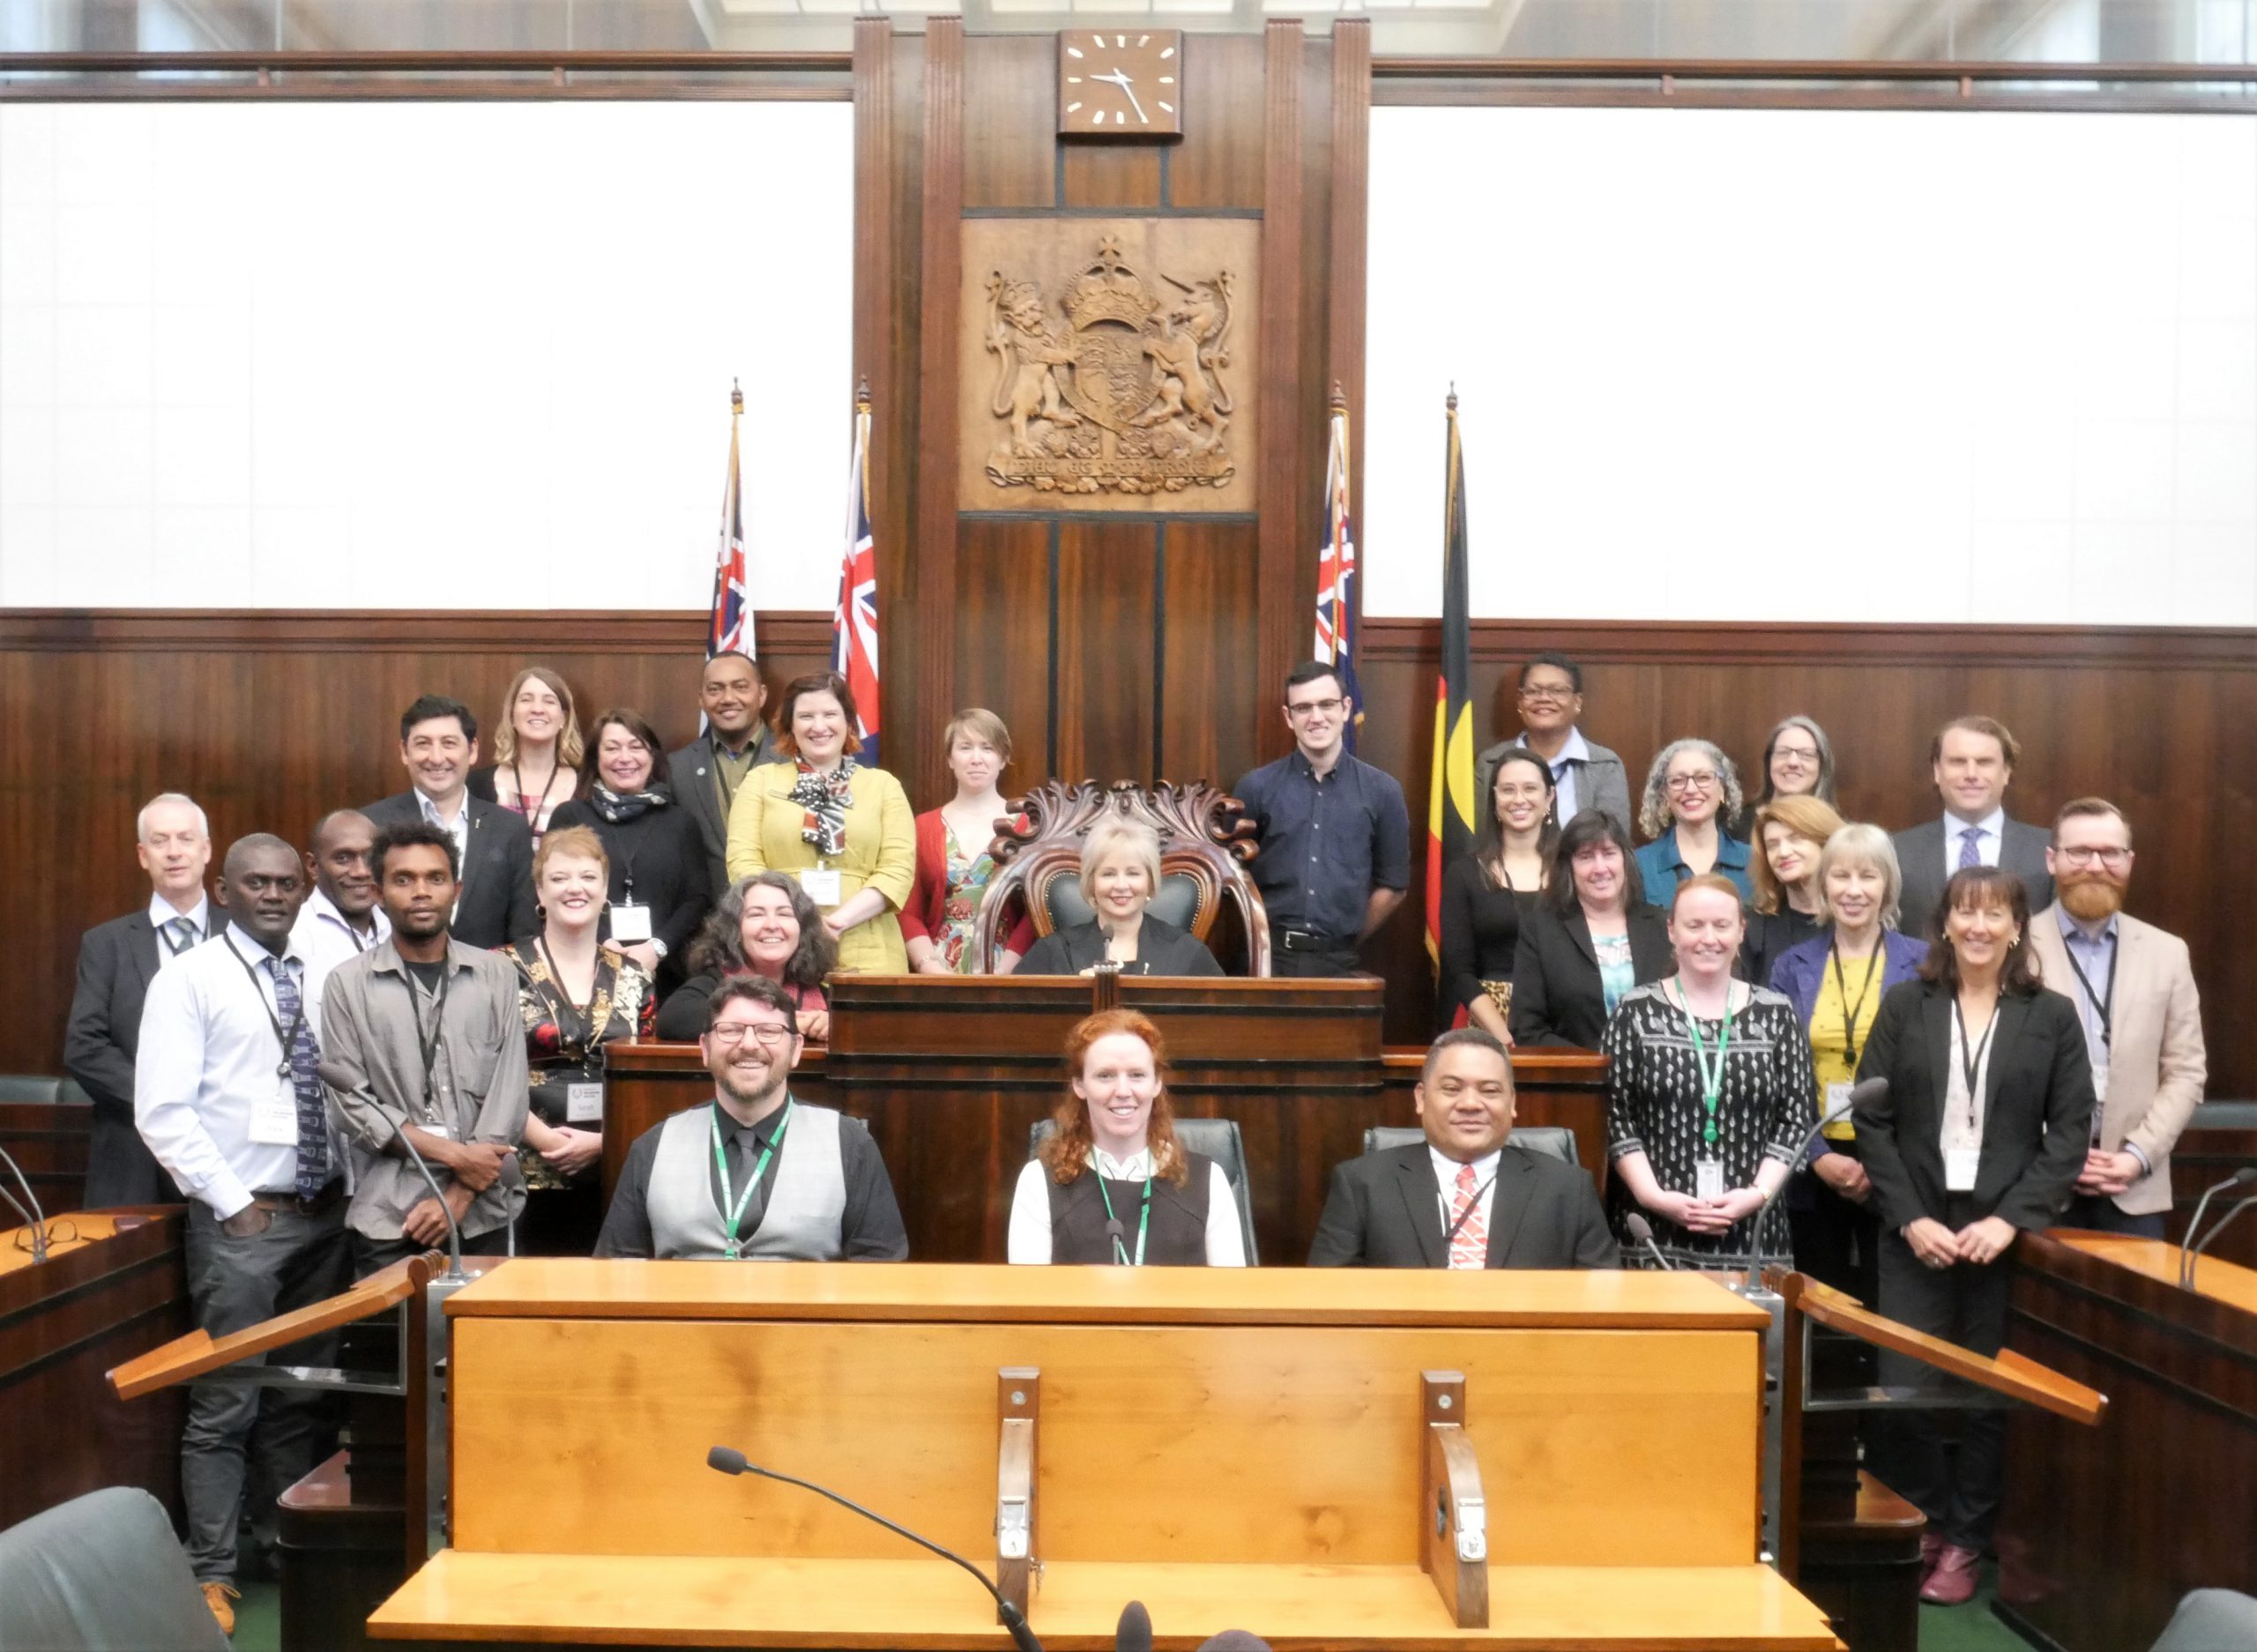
{"x": 1335, "y": 576}
{"x": 731, "y": 630}
{"x": 855, "y": 627}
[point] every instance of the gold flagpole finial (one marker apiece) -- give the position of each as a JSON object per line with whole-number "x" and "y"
{"x": 1339, "y": 398}
{"x": 1452, "y": 403}
{"x": 863, "y": 394}
{"x": 736, "y": 396}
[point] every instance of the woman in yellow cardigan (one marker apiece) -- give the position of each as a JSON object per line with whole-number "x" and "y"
{"x": 844, "y": 831}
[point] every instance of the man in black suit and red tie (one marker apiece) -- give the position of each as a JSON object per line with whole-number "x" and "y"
{"x": 116, "y": 962}
{"x": 1464, "y": 1197}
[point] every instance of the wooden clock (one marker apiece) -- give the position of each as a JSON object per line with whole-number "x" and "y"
{"x": 1120, "y": 83}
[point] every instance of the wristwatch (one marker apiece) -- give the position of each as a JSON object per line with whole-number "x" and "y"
{"x": 659, "y": 947}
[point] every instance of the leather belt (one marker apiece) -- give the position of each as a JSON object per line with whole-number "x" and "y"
{"x": 1310, "y": 940}
{"x": 289, "y": 1203}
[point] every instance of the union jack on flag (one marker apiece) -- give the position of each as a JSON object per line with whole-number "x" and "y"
{"x": 854, "y": 625}
{"x": 731, "y": 629}
{"x": 1335, "y": 575}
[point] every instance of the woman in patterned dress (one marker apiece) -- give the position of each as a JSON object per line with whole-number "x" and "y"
{"x": 574, "y": 997}
{"x": 1708, "y": 1097}
{"x": 954, "y": 865}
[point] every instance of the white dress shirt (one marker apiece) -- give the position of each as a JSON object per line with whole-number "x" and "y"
{"x": 1029, "y": 1239}
{"x": 1577, "y": 749}
{"x": 457, "y": 829}
{"x": 1485, "y": 1177}
{"x": 325, "y": 940}
{"x": 1988, "y": 844}
{"x": 208, "y": 1054}
{"x": 161, "y": 911}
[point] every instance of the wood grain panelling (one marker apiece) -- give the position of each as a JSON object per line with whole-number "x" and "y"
{"x": 1213, "y": 703}
{"x": 2149, "y": 719}
{"x": 1003, "y": 639}
{"x": 1111, "y": 175}
{"x": 1011, "y": 143}
{"x": 1346, "y": 259}
{"x": 1106, "y": 667}
{"x": 1218, "y": 165}
{"x": 918, "y": 632}
{"x": 1279, "y": 625}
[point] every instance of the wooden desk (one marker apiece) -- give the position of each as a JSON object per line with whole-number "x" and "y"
{"x": 114, "y": 1285}
{"x": 2113, "y": 1525}
{"x": 1229, "y": 1446}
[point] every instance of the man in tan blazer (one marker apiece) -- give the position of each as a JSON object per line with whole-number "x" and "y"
{"x": 2134, "y": 989}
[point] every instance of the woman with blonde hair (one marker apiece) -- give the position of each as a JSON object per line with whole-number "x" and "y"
{"x": 1113, "y": 1184}
{"x": 1120, "y": 873}
{"x": 1788, "y": 834}
{"x": 953, "y": 859}
{"x": 538, "y": 749}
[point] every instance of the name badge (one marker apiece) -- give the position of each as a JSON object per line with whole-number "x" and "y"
{"x": 274, "y": 1117}
{"x": 2099, "y": 1087}
{"x": 1837, "y": 1095}
{"x": 1959, "y": 1164}
{"x": 1708, "y": 1178}
{"x": 822, "y": 885}
{"x": 631, "y": 925}
{"x": 430, "y": 1129}
{"x": 584, "y": 1104}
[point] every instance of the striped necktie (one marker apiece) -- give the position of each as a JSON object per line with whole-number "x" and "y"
{"x": 181, "y": 934}
{"x": 1470, "y": 1247}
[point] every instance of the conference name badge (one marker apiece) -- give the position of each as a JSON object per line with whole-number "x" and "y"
{"x": 1959, "y": 1164}
{"x": 274, "y": 1117}
{"x": 630, "y": 925}
{"x": 1708, "y": 1179}
{"x": 584, "y": 1104}
{"x": 822, "y": 885}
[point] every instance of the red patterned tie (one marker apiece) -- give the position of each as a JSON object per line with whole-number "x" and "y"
{"x": 1471, "y": 1246}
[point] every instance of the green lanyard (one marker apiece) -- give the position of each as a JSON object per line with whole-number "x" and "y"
{"x": 1144, "y": 1221}
{"x": 733, "y": 1203}
{"x": 1713, "y": 1075}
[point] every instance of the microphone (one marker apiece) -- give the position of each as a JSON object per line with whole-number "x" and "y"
{"x": 2218, "y": 1227}
{"x": 1862, "y": 1094}
{"x": 1134, "y": 1632}
{"x": 336, "y": 1075}
{"x": 1642, "y": 1232}
{"x": 728, "y": 1460}
{"x": 34, "y": 1215}
{"x": 2241, "y": 1177}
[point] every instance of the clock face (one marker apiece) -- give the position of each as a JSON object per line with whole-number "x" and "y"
{"x": 1120, "y": 83}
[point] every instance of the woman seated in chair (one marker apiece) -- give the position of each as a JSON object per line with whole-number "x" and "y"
{"x": 1111, "y": 1184}
{"x": 1120, "y": 873}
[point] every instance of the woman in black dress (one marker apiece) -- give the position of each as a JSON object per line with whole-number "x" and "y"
{"x": 1485, "y": 891}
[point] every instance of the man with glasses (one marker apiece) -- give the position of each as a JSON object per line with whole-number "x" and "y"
{"x": 1586, "y": 776}
{"x": 1333, "y": 837}
{"x": 2134, "y": 986}
{"x": 756, "y": 1173}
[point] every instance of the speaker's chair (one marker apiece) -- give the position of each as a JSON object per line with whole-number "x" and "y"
{"x": 1219, "y": 1138}
{"x": 1554, "y": 1140}
{"x": 1039, "y": 860}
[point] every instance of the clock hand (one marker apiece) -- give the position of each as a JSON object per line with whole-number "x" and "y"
{"x": 1121, "y": 80}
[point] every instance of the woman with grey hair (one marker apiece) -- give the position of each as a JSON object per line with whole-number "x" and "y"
{"x": 765, "y": 924}
{"x": 1798, "y": 762}
{"x": 1691, "y": 790}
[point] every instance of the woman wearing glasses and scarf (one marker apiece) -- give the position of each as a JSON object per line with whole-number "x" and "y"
{"x": 657, "y": 890}
{"x": 844, "y": 831}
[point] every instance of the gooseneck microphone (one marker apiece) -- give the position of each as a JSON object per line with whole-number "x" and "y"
{"x": 1862, "y": 1094}
{"x": 1642, "y": 1232}
{"x": 28, "y": 1207}
{"x": 729, "y": 1461}
{"x": 1133, "y": 1632}
{"x": 339, "y": 1076}
{"x": 2241, "y": 1177}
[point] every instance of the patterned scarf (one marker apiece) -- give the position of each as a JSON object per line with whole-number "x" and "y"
{"x": 619, "y": 807}
{"x": 825, "y": 797}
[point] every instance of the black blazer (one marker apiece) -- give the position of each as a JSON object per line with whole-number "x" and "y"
{"x": 495, "y": 906}
{"x": 116, "y": 962}
{"x": 667, "y": 858}
{"x": 1557, "y": 998}
{"x": 1920, "y": 858}
{"x": 2036, "y": 1106}
{"x": 1385, "y": 1211}
{"x": 698, "y": 793}
{"x": 1161, "y": 950}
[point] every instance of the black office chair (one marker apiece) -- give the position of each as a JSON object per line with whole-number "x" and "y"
{"x": 1218, "y": 1139}
{"x": 1554, "y": 1140}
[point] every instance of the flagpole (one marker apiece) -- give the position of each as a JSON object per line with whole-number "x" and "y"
{"x": 729, "y": 485}
{"x": 1333, "y": 509}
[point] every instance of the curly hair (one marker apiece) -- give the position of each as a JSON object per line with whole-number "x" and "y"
{"x": 719, "y": 950}
{"x": 1654, "y": 817}
{"x": 1067, "y": 1152}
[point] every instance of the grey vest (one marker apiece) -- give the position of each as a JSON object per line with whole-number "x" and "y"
{"x": 805, "y": 1216}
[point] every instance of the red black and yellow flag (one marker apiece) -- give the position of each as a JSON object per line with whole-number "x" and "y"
{"x": 1449, "y": 815}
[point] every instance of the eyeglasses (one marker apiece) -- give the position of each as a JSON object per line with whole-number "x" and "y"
{"x": 1699, "y": 781}
{"x": 2114, "y": 860}
{"x": 1326, "y": 707}
{"x": 768, "y": 1034}
{"x": 1531, "y": 692}
{"x": 1789, "y": 754}
{"x": 1521, "y": 793}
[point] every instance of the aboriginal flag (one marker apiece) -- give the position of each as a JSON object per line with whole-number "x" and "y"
{"x": 1449, "y": 815}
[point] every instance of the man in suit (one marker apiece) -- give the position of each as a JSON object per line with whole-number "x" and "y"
{"x": 1973, "y": 758}
{"x": 706, "y": 773}
{"x": 2134, "y": 988}
{"x": 438, "y": 743}
{"x": 1464, "y": 1197}
{"x": 116, "y": 962}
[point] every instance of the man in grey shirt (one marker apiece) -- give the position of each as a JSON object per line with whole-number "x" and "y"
{"x": 1588, "y": 776}
{"x": 421, "y": 1036}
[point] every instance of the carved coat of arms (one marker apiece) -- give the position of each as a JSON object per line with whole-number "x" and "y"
{"x": 1115, "y": 382}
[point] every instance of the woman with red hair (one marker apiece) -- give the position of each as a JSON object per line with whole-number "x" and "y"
{"x": 1113, "y": 1184}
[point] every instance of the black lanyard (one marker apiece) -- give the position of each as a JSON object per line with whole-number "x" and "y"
{"x": 2100, "y": 1006}
{"x": 288, "y": 1037}
{"x": 1971, "y": 1062}
{"x": 1449, "y": 1234}
{"x": 430, "y": 1046}
{"x": 1849, "y": 1010}
{"x": 518, "y": 790}
{"x": 175, "y": 941}
{"x": 581, "y": 1028}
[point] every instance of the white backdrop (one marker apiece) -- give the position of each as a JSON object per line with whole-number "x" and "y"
{"x": 440, "y": 355}
{"x": 1800, "y": 365}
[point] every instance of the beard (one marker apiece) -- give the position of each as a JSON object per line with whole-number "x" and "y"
{"x": 2091, "y": 897}
{"x": 752, "y": 1093}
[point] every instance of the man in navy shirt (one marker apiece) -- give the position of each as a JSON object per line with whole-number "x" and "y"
{"x": 1335, "y": 837}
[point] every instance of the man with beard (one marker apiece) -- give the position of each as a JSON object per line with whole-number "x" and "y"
{"x": 2134, "y": 989}
{"x": 342, "y": 918}
{"x": 756, "y": 1173}
{"x": 426, "y": 1036}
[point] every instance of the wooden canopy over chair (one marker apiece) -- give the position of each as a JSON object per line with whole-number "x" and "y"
{"x": 1203, "y": 864}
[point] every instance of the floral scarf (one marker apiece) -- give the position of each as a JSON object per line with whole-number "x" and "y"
{"x": 825, "y": 797}
{"x": 619, "y": 807}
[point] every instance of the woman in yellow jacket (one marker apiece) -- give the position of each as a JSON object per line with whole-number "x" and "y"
{"x": 844, "y": 831}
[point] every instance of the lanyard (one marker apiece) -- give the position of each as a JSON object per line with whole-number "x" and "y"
{"x": 1712, "y": 1075}
{"x": 733, "y": 1203}
{"x": 517, "y": 789}
{"x": 580, "y": 1028}
{"x": 1113, "y": 1222}
{"x": 1970, "y": 1068}
{"x": 1849, "y": 1010}
{"x": 288, "y": 1037}
{"x": 430, "y": 1046}
{"x": 2101, "y": 1007}
{"x": 173, "y": 939}
{"x": 1449, "y": 1234}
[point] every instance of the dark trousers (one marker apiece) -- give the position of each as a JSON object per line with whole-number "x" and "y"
{"x": 1310, "y": 965}
{"x": 244, "y": 1446}
{"x": 561, "y": 1221}
{"x": 1836, "y": 1242}
{"x": 2098, "y": 1212}
{"x": 1957, "y": 1487}
{"x": 120, "y": 1167}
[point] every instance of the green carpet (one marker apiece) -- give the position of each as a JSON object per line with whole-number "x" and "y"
{"x": 1969, "y": 1628}
{"x": 258, "y": 1619}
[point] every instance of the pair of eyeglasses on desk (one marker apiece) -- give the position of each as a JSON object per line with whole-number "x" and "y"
{"x": 58, "y": 1232}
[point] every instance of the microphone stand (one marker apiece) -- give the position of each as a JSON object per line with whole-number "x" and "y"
{"x": 34, "y": 1215}
{"x": 2241, "y": 1177}
{"x": 2194, "y": 1256}
{"x": 339, "y": 1077}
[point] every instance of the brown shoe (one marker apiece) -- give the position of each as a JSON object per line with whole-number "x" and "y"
{"x": 1952, "y": 1582}
{"x": 216, "y": 1595}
